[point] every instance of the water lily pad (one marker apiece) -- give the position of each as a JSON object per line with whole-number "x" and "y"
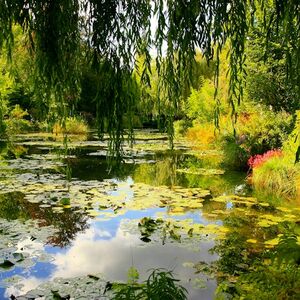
{"x": 266, "y": 223}
{"x": 283, "y": 209}
{"x": 6, "y": 264}
{"x": 273, "y": 242}
{"x": 251, "y": 241}
{"x": 85, "y": 287}
{"x": 201, "y": 171}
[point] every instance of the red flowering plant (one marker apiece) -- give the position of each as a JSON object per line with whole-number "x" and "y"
{"x": 257, "y": 160}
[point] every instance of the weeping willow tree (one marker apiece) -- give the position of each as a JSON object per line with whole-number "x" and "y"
{"x": 113, "y": 34}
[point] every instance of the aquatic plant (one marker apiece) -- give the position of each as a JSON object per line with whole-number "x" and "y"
{"x": 276, "y": 281}
{"x": 250, "y": 269}
{"x": 160, "y": 284}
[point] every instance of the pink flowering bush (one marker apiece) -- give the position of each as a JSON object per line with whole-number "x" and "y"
{"x": 259, "y": 159}
{"x": 275, "y": 176}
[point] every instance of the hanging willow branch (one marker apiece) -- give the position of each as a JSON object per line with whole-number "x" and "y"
{"x": 115, "y": 33}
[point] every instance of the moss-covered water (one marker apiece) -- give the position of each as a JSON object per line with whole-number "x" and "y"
{"x": 70, "y": 217}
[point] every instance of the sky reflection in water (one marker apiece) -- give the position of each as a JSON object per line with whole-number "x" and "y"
{"x": 106, "y": 247}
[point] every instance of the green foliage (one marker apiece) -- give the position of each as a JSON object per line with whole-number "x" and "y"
{"x": 159, "y": 285}
{"x": 263, "y": 128}
{"x": 11, "y": 207}
{"x": 276, "y": 281}
{"x": 204, "y": 100}
{"x": 181, "y": 127}
{"x": 18, "y": 76}
{"x": 232, "y": 254}
{"x": 267, "y": 84}
{"x": 133, "y": 275}
{"x": 279, "y": 280}
{"x": 288, "y": 249}
{"x": 162, "y": 172}
{"x": 277, "y": 177}
{"x": 258, "y": 129}
{"x": 268, "y": 79}
{"x": 6, "y": 83}
{"x": 235, "y": 156}
{"x": 17, "y": 122}
{"x": 65, "y": 201}
{"x": 9, "y": 151}
{"x": 18, "y": 113}
{"x": 152, "y": 102}
{"x": 200, "y": 104}
{"x": 247, "y": 271}
{"x": 292, "y": 144}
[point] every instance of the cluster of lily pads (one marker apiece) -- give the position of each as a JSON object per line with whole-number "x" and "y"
{"x": 22, "y": 243}
{"x": 38, "y": 178}
{"x": 260, "y": 215}
{"x": 110, "y": 198}
{"x": 81, "y": 288}
{"x": 264, "y": 218}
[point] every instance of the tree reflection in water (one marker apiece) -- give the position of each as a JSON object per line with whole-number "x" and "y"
{"x": 67, "y": 223}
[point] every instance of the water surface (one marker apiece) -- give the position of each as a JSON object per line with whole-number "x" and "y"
{"x": 89, "y": 219}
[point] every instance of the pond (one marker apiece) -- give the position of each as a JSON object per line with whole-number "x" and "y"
{"x": 67, "y": 220}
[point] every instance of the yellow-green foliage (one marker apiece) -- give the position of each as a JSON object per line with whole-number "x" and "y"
{"x": 278, "y": 177}
{"x": 200, "y": 104}
{"x": 262, "y": 128}
{"x": 202, "y": 135}
{"x": 18, "y": 113}
{"x": 274, "y": 281}
{"x": 16, "y": 123}
{"x": 205, "y": 134}
{"x": 292, "y": 144}
{"x": 181, "y": 127}
{"x": 73, "y": 125}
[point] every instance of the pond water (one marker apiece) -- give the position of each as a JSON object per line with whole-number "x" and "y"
{"x": 69, "y": 216}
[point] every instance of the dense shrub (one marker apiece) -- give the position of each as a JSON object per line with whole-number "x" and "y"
{"x": 258, "y": 130}
{"x": 200, "y": 104}
{"x": 261, "y": 129}
{"x": 257, "y": 160}
{"x": 202, "y": 135}
{"x": 235, "y": 155}
{"x": 276, "y": 281}
{"x": 276, "y": 176}
{"x": 181, "y": 127}
{"x": 18, "y": 122}
{"x": 73, "y": 125}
